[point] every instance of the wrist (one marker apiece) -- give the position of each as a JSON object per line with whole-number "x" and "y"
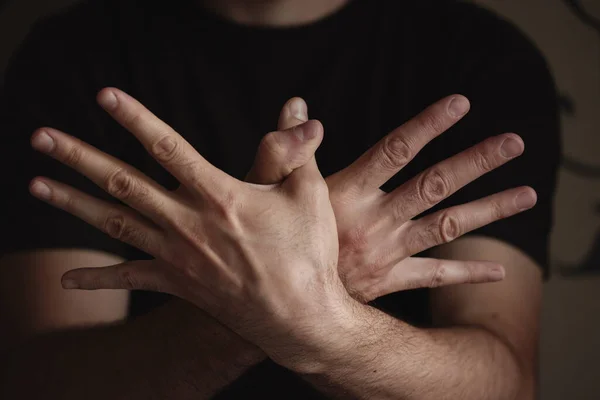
{"x": 329, "y": 338}
{"x": 348, "y": 340}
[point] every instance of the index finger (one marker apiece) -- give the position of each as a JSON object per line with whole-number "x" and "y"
{"x": 171, "y": 150}
{"x": 392, "y": 153}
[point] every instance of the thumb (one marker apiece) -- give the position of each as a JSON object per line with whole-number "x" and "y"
{"x": 308, "y": 173}
{"x": 287, "y": 149}
{"x": 293, "y": 113}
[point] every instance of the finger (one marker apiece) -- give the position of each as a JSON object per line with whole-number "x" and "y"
{"x": 449, "y": 224}
{"x": 282, "y": 152}
{"x": 293, "y": 113}
{"x": 396, "y": 150}
{"x": 445, "y": 178}
{"x": 171, "y": 150}
{"x": 308, "y": 175}
{"x": 117, "y": 221}
{"x": 118, "y": 179}
{"x": 272, "y": 162}
{"x": 416, "y": 273}
{"x": 134, "y": 275}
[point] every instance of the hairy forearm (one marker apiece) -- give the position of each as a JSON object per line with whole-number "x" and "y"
{"x": 387, "y": 359}
{"x": 175, "y": 352}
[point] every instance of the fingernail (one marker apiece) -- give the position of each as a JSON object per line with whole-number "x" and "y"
{"x": 69, "y": 284}
{"x": 525, "y": 201}
{"x": 497, "y": 273}
{"x": 43, "y": 142}
{"x": 458, "y": 107}
{"x": 108, "y": 100}
{"x": 306, "y": 132}
{"x": 511, "y": 148}
{"x": 41, "y": 190}
{"x": 298, "y": 110}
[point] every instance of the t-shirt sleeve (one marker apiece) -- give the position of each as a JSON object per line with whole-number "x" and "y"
{"x": 46, "y": 84}
{"x": 511, "y": 89}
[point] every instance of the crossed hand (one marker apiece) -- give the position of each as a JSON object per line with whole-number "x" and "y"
{"x": 270, "y": 256}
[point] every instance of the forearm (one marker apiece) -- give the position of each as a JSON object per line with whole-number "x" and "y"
{"x": 175, "y": 352}
{"x": 385, "y": 358}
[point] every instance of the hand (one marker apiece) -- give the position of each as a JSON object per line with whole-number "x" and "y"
{"x": 261, "y": 259}
{"x": 360, "y": 267}
{"x": 377, "y": 232}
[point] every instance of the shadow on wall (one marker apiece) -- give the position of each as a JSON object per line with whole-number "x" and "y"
{"x": 591, "y": 263}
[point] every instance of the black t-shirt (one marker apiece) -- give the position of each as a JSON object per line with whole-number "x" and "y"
{"x": 363, "y": 71}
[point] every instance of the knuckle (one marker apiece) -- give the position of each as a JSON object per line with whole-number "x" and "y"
{"x": 225, "y": 206}
{"x": 227, "y": 202}
{"x": 120, "y": 184}
{"x": 395, "y": 152}
{"x": 438, "y": 275}
{"x": 432, "y": 187}
{"x": 496, "y": 209}
{"x": 190, "y": 271}
{"x": 271, "y": 144}
{"x": 128, "y": 279}
{"x": 73, "y": 156}
{"x": 431, "y": 122}
{"x": 165, "y": 149}
{"x": 449, "y": 227}
{"x": 470, "y": 273}
{"x": 67, "y": 202}
{"x": 482, "y": 160}
{"x": 132, "y": 120}
{"x": 115, "y": 225}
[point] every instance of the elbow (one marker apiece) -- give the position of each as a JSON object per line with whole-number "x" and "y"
{"x": 526, "y": 387}
{"x": 524, "y": 379}
{"x": 520, "y": 370}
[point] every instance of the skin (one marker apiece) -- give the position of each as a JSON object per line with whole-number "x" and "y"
{"x": 268, "y": 323}
{"x": 273, "y": 12}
